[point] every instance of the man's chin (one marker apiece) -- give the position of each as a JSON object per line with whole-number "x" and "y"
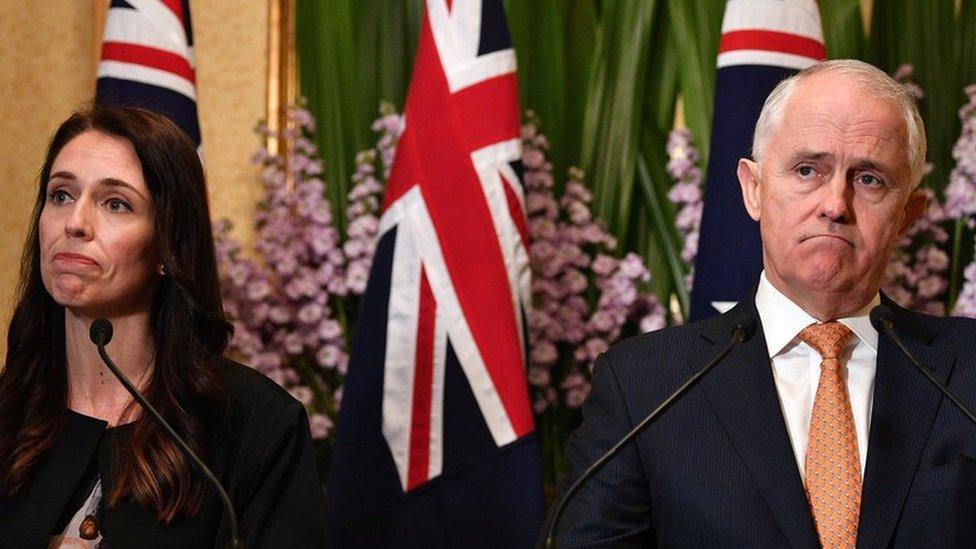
{"x": 829, "y": 278}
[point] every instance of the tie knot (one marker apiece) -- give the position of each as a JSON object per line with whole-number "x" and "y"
{"x": 829, "y": 338}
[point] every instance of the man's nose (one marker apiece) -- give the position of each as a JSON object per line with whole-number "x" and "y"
{"x": 79, "y": 222}
{"x": 835, "y": 204}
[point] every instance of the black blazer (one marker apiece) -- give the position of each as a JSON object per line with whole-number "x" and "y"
{"x": 264, "y": 460}
{"x": 718, "y": 470}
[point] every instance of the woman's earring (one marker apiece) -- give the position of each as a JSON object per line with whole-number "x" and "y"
{"x": 162, "y": 270}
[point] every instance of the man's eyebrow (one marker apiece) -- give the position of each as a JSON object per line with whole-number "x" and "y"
{"x": 809, "y": 156}
{"x": 867, "y": 164}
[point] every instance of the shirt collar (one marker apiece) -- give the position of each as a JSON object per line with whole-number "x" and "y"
{"x": 782, "y": 319}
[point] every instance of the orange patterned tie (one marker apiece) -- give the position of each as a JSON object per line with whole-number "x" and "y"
{"x": 833, "y": 469}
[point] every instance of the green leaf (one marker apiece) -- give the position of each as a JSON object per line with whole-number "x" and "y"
{"x": 554, "y": 43}
{"x": 696, "y": 29}
{"x": 329, "y": 80}
{"x": 843, "y": 28}
{"x": 613, "y": 108}
{"x": 661, "y": 246}
{"x": 664, "y": 230}
{"x": 966, "y": 42}
{"x": 923, "y": 34}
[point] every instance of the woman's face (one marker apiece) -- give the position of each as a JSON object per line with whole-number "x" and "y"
{"x": 96, "y": 229}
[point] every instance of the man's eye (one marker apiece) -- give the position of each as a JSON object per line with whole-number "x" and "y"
{"x": 869, "y": 180}
{"x": 806, "y": 171}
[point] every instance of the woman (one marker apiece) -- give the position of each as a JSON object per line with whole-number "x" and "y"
{"x": 121, "y": 230}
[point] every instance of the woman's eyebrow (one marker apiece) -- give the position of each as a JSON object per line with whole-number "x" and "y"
{"x": 113, "y": 182}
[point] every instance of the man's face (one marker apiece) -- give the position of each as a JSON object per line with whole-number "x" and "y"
{"x": 832, "y": 194}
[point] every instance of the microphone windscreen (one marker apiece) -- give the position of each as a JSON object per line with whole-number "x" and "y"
{"x": 878, "y": 315}
{"x": 100, "y": 331}
{"x": 748, "y": 324}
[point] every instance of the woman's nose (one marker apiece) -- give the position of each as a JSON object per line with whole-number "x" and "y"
{"x": 79, "y": 222}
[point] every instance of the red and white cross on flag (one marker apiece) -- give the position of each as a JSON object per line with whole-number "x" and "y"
{"x": 460, "y": 270}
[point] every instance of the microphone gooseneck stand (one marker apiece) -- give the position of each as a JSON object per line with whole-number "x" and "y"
{"x": 742, "y": 332}
{"x": 881, "y": 320}
{"x": 100, "y": 334}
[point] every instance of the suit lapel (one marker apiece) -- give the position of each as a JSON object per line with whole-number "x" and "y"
{"x": 743, "y": 395}
{"x": 905, "y": 405}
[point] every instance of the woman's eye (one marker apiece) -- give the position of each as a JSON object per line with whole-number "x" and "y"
{"x": 118, "y": 205}
{"x": 59, "y": 196}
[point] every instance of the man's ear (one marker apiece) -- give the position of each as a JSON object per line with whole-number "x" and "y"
{"x": 914, "y": 209}
{"x": 748, "y": 172}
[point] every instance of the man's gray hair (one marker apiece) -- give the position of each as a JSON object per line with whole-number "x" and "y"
{"x": 872, "y": 79}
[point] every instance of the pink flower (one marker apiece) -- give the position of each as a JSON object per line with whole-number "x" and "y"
{"x": 533, "y": 158}
{"x": 329, "y": 330}
{"x": 574, "y": 281}
{"x": 632, "y": 267}
{"x": 302, "y": 394}
{"x": 595, "y": 346}
{"x": 576, "y": 388}
{"x": 602, "y": 321}
{"x": 653, "y": 321}
{"x": 328, "y": 356}
{"x": 278, "y": 376}
{"x": 310, "y": 313}
{"x": 319, "y": 426}
{"x": 538, "y": 376}
{"x": 357, "y": 277}
{"x": 539, "y": 405}
{"x": 280, "y": 314}
{"x": 293, "y": 343}
{"x": 543, "y": 353}
{"x": 258, "y": 290}
{"x": 353, "y": 248}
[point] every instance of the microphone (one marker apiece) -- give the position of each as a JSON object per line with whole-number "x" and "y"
{"x": 100, "y": 333}
{"x": 744, "y": 328}
{"x": 881, "y": 320}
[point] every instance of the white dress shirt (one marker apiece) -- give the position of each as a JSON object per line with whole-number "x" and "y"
{"x": 796, "y": 366}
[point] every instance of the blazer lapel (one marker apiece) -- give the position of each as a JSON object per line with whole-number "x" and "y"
{"x": 54, "y": 481}
{"x": 743, "y": 395}
{"x": 905, "y": 406}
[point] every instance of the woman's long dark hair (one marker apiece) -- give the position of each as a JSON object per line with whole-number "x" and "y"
{"x": 188, "y": 329}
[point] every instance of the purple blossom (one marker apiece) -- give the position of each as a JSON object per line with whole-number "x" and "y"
{"x": 603, "y": 265}
{"x": 258, "y": 290}
{"x": 686, "y": 193}
{"x": 571, "y": 264}
{"x": 320, "y": 426}
{"x": 283, "y": 305}
{"x": 576, "y": 388}
{"x": 310, "y": 313}
{"x": 328, "y": 356}
{"x": 918, "y": 268}
{"x": 302, "y": 394}
{"x": 539, "y": 376}
{"x": 961, "y": 195}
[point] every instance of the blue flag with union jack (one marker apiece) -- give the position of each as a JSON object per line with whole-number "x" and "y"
{"x": 147, "y": 60}
{"x": 435, "y": 444}
{"x": 763, "y": 42}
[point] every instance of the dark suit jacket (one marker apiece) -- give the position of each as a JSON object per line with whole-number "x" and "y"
{"x": 717, "y": 469}
{"x": 263, "y": 458}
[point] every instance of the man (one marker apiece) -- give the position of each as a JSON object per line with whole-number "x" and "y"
{"x": 817, "y": 430}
